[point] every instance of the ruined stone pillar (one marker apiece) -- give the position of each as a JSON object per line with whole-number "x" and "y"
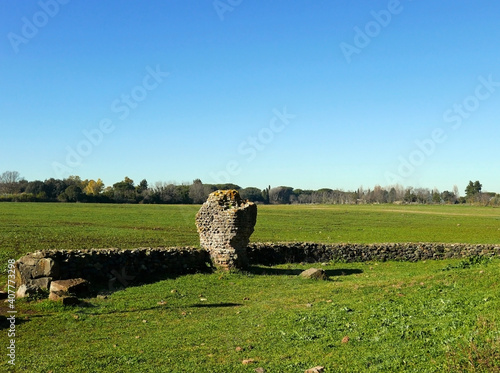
{"x": 225, "y": 223}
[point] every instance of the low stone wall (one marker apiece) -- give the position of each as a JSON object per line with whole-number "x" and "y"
{"x": 296, "y": 252}
{"x": 109, "y": 267}
{"x": 114, "y": 268}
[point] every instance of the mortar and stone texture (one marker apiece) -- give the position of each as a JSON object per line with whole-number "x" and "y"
{"x": 225, "y": 223}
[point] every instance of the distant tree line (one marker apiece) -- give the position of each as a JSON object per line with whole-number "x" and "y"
{"x": 15, "y": 188}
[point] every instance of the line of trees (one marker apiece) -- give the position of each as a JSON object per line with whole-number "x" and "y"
{"x": 15, "y": 188}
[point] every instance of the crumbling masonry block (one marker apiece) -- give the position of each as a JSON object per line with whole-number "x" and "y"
{"x": 225, "y": 223}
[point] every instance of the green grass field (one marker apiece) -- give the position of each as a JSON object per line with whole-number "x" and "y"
{"x": 26, "y": 227}
{"x": 429, "y": 316}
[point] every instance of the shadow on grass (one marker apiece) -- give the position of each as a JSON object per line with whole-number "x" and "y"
{"x": 342, "y": 272}
{"x": 128, "y": 311}
{"x": 216, "y": 305}
{"x": 295, "y": 272}
{"x": 5, "y": 321}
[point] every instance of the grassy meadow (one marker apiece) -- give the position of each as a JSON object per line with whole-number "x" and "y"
{"x": 26, "y": 227}
{"x": 431, "y": 316}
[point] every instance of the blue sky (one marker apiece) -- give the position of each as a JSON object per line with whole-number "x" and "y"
{"x": 308, "y": 94}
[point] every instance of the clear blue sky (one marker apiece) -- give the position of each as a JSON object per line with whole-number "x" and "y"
{"x": 308, "y": 94}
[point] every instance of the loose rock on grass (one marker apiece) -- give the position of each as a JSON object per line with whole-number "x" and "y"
{"x": 314, "y": 273}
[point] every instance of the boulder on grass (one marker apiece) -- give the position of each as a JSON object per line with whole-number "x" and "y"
{"x": 68, "y": 291}
{"x": 314, "y": 273}
{"x": 65, "y": 298}
{"x": 76, "y": 286}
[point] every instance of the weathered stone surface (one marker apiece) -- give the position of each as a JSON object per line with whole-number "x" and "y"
{"x": 67, "y": 291}
{"x": 272, "y": 253}
{"x": 41, "y": 283}
{"x": 21, "y": 291}
{"x": 29, "y": 260}
{"x": 46, "y": 267}
{"x": 24, "y": 272}
{"x": 314, "y": 273}
{"x": 26, "y": 291}
{"x": 63, "y": 297}
{"x": 225, "y": 223}
{"x": 99, "y": 266}
{"x": 57, "y": 295}
{"x": 76, "y": 286}
{"x": 30, "y": 267}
